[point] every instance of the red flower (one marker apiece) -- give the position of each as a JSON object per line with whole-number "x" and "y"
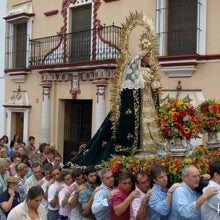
{"x": 178, "y": 119}
{"x": 209, "y": 112}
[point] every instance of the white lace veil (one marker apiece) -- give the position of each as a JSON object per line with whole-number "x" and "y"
{"x": 133, "y": 77}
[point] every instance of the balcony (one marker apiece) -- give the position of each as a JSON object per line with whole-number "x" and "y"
{"x": 64, "y": 49}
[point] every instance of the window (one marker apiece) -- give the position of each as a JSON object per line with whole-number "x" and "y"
{"x": 81, "y": 29}
{"x": 17, "y": 43}
{"x": 181, "y": 27}
{"x": 20, "y": 45}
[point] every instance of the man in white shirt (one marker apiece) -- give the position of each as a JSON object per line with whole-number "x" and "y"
{"x": 210, "y": 209}
{"x": 139, "y": 208}
{"x": 54, "y": 189}
{"x": 47, "y": 181}
{"x": 78, "y": 176}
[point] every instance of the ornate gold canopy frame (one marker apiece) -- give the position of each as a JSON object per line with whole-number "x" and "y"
{"x": 148, "y": 41}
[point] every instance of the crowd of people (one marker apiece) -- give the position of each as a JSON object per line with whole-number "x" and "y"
{"x": 34, "y": 186}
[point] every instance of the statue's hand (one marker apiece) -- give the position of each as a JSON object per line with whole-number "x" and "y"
{"x": 155, "y": 85}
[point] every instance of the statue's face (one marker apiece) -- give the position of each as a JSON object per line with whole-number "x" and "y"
{"x": 146, "y": 59}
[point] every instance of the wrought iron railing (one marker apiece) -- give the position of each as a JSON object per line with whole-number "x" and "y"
{"x": 16, "y": 51}
{"x": 95, "y": 44}
{"x": 177, "y": 42}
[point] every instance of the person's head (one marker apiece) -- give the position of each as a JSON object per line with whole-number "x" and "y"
{"x": 37, "y": 170}
{"x": 47, "y": 171}
{"x": 21, "y": 149}
{"x": 25, "y": 159}
{"x": 159, "y": 175}
{"x": 73, "y": 154}
{"x": 16, "y": 158}
{"x": 15, "y": 146}
{"x": 215, "y": 171}
{"x": 66, "y": 177}
{"x": 12, "y": 183}
{"x": 34, "y": 197}
{"x": 78, "y": 176}
{"x": 142, "y": 181}
{"x": 50, "y": 152}
{"x": 43, "y": 147}
{"x": 57, "y": 159}
{"x": 4, "y": 152}
{"x": 125, "y": 181}
{"x": 2, "y": 142}
{"x": 106, "y": 176}
{"x": 191, "y": 176}
{"x": 16, "y": 138}
{"x": 21, "y": 169}
{"x": 3, "y": 165}
{"x": 90, "y": 174}
{"x": 31, "y": 140}
{"x": 56, "y": 173}
{"x": 5, "y": 138}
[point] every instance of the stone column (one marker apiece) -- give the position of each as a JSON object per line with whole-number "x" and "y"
{"x": 45, "y": 115}
{"x": 100, "y": 104}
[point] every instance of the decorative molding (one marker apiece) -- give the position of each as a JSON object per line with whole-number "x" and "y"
{"x": 87, "y": 75}
{"x": 75, "y": 85}
{"x": 194, "y": 95}
{"x": 19, "y": 76}
{"x": 18, "y": 99}
{"x": 179, "y": 71}
{"x": 50, "y": 13}
{"x": 46, "y": 89}
{"x": 17, "y": 106}
{"x": 184, "y": 66}
{"x": 100, "y": 89}
{"x": 19, "y": 15}
{"x": 65, "y": 6}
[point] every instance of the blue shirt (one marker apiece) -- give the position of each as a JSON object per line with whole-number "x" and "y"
{"x": 10, "y": 153}
{"x": 183, "y": 204}
{"x": 4, "y": 197}
{"x": 158, "y": 205}
{"x": 101, "y": 207}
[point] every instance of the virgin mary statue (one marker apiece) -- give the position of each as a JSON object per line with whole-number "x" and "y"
{"x": 137, "y": 130}
{"x": 131, "y": 127}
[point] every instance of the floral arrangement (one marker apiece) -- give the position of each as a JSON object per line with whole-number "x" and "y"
{"x": 178, "y": 119}
{"x": 201, "y": 157}
{"x": 209, "y": 112}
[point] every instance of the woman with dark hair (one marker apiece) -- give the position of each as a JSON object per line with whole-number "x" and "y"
{"x": 5, "y": 140}
{"x": 31, "y": 207}
{"x": 16, "y": 139}
{"x": 15, "y": 160}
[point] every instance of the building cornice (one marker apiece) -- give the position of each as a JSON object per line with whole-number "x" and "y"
{"x": 184, "y": 66}
{"x": 19, "y": 15}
